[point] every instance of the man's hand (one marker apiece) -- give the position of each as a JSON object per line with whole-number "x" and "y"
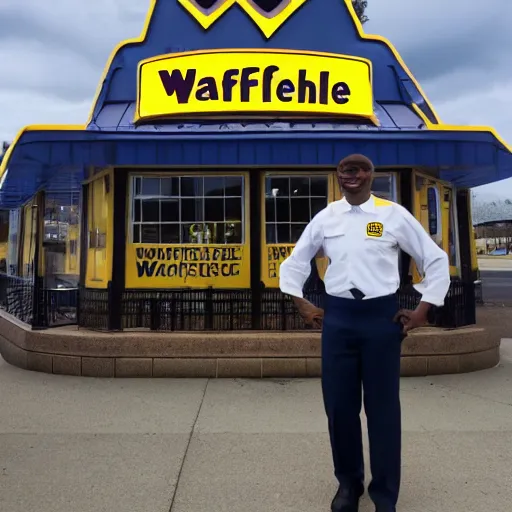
{"x": 311, "y": 315}
{"x": 412, "y": 319}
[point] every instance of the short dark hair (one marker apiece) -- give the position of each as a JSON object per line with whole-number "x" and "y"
{"x": 356, "y": 160}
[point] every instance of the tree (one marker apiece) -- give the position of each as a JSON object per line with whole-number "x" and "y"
{"x": 360, "y": 8}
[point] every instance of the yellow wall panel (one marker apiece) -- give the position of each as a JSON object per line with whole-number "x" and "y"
{"x": 29, "y": 238}
{"x": 187, "y": 266}
{"x": 100, "y": 235}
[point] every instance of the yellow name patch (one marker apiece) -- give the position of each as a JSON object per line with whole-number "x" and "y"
{"x": 374, "y": 229}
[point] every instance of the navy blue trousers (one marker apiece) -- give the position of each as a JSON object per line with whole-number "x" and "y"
{"x": 361, "y": 358}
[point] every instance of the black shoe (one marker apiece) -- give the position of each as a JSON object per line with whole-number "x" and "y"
{"x": 345, "y": 501}
{"x": 385, "y": 509}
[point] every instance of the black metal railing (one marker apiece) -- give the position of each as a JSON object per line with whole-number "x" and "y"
{"x": 16, "y": 297}
{"x": 193, "y": 310}
{"x": 229, "y": 310}
{"x": 28, "y": 301}
{"x": 59, "y": 306}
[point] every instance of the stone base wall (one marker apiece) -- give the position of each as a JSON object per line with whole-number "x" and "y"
{"x": 69, "y": 351}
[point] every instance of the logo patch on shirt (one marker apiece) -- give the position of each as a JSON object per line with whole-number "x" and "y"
{"x": 375, "y": 229}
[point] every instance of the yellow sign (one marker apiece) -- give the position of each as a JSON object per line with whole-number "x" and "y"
{"x": 272, "y": 83}
{"x": 375, "y": 229}
{"x": 275, "y": 255}
{"x": 185, "y": 266}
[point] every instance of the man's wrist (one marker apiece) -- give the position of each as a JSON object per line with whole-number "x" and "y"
{"x": 423, "y": 309}
{"x": 300, "y": 302}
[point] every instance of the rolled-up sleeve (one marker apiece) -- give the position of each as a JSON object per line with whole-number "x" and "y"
{"x": 295, "y": 269}
{"x": 430, "y": 259}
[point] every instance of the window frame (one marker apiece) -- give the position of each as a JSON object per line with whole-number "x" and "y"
{"x": 326, "y": 173}
{"x": 132, "y": 176}
{"x": 393, "y": 181}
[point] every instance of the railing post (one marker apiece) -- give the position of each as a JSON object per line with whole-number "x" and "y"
{"x": 173, "y": 312}
{"x": 470, "y": 303}
{"x": 39, "y": 306}
{"x": 120, "y": 190}
{"x": 77, "y": 298}
{"x": 284, "y": 324}
{"x": 209, "y": 309}
{"x": 110, "y": 307}
{"x": 154, "y": 315}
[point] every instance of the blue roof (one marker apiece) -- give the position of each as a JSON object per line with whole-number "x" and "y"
{"x": 409, "y": 134}
{"x": 57, "y": 159}
{"x": 391, "y": 116}
{"x": 318, "y": 25}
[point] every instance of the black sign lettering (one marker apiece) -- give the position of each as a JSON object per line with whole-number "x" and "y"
{"x": 175, "y": 83}
{"x": 268, "y": 74}
{"x": 188, "y": 262}
{"x": 249, "y": 80}
{"x": 306, "y": 86}
{"x": 276, "y": 255}
{"x": 207, "y": 89}
{"x": 340, "y": 93}
{"x": 284, "y": 89}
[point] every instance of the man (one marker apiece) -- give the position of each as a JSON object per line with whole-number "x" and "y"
{"x": 362, "y": 328}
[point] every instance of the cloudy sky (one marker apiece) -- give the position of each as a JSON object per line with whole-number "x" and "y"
{"x": 459, "y": 51}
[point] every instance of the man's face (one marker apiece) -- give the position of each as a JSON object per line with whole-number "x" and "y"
{"x": 354, "y": 179}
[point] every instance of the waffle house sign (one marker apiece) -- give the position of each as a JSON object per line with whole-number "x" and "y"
{"x": 271, "y": 83}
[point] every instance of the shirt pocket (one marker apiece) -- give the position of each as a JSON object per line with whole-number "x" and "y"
{"x": 335, "y": 242}
{"x": 383, "y": 246}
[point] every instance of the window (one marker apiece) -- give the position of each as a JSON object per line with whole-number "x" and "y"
{"x": 60, "y": 240}
{"x": 290, "y": 203}
{"x": 435, "y": 227}
{"x": 4, "y": 237}
{"x": 452, "y": 226}
{"x": 188, "y": 210}
{"x": 383, "y": 186}
{"x": 29, "y": 239}
{"x": 432, "y": 211}
{"x": 13, "y": 244}
{"x": 4, "y": 226}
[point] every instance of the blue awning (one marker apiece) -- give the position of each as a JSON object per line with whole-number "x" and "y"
{"x": 115, "y": 117}
{"x": 57, "y": 159}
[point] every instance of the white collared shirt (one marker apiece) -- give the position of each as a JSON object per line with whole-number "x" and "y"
{"x": 362, "y": 244}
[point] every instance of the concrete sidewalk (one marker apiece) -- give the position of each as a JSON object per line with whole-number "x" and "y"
{"x": 70, "y": 444}
{"x": 495, "y": 263}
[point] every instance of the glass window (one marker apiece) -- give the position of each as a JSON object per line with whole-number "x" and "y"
{"x": 29, "y": 239}
{"x": 188, "y": 209}
{"x": 452, "y": 231}
{"x": 432, "y": 203}
{"x": 384, "y": 186}
{"x": 290, "y": 203}
{"x": 4, "y": 237}
{"x": 61, "y": 239}
{"x": 13, "y": 244}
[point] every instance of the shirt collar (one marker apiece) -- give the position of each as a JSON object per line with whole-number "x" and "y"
{"x": 367, "y": 207}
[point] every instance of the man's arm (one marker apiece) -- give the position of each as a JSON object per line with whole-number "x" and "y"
{"x": 295, "y": 270}
{"x": 431, "y": 260}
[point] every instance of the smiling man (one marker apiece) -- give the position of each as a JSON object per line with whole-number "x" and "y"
{"x": 362, "y": 327}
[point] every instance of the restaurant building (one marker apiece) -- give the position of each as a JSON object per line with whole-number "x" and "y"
{"x": 212, "y": 141}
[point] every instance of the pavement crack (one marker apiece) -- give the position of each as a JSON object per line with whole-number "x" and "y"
{"x": 192, "y": 430}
